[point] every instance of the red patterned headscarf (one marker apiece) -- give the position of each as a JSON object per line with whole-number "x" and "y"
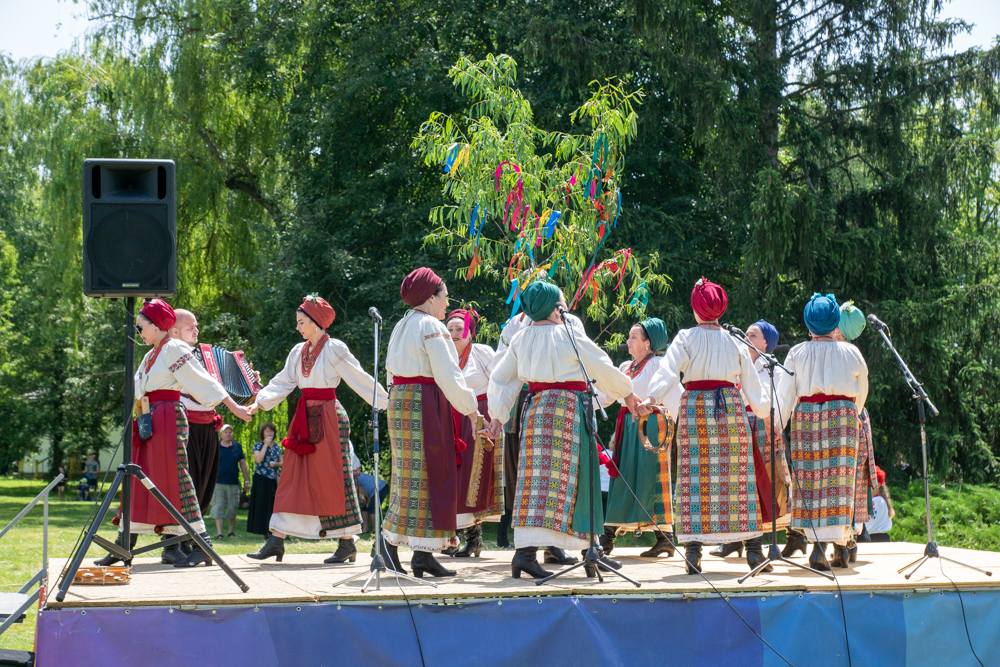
{"x": 318, "y": 310}
{"x": 418, "y": 286}
{"x": 469, "y": 316}
{"x": 708, "y": 300}
{"x": 159, "y": 313}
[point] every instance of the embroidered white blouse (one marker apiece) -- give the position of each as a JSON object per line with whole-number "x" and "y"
{"x": 420, "y": 345}
{"x": 177, "y": 369}
{"x": 544, "y": 353}
{"x": 335, "y": 363}
{"x": 708, "y": 353}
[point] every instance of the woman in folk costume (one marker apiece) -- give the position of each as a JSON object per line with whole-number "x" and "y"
{"x": 164, "y": 372}
{"x": 480, "y": 472}
{"x": 512, "y": 438}
{"x": 316, "y": 497}
{"x": 823, "y": 399}
{"x": 647, "y": 472}
{"x": 426, "y": 384}
{"x": 866, "y": 485}
{"x": 764, "y": 337}
{"x": 557, "y": 470}
{"x": 716, "y": 496}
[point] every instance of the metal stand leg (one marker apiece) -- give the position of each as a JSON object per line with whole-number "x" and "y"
{"x": 125, "y": 471}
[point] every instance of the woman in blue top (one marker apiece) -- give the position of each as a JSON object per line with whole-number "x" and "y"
{"x": 267, "y": 457}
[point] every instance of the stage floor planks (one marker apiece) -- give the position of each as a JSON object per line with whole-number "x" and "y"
{"x": 303, "y": 578}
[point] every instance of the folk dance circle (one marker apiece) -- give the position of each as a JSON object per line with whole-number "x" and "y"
{"x": 479, "y": 435}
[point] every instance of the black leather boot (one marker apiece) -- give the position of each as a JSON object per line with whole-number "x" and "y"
{"x": 724, "y": 550}
{"x": 111, "y": 559}
{"x": 664, "y": 545}
{"x": 526, "y": 560}
{"x": 473, "y": 543}
{"x": 346, "y": 551}
{"x": 452, "y": 550}
{"x": 841, "y": 556}
{"x": 197, "y": 556}
{"x": 390, "y": 555}
{"x": 187, "y": 546}
{"x": 274, "y": 546}
{"x": 755, "y": 554}
{"x": 423, "y": 562}
{"x": 607, "y": 540}
{"x": 817, "y": 559}
{"x": 692, "y": 554}
{"x": 173, "y": 554}
{"x": 794, "y": 541}
{"x": 556, "y": 556}
{"x": 502, "y": 538}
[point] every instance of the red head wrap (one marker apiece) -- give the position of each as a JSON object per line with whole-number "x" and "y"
{"x": 159, "y": 313}
{"x": 469, "y": 316}
{"x": 318, "y": 310}
{"x": 418, "y": 286}
{"x": 879, "y": 476}
{"x": 708, "y": 300}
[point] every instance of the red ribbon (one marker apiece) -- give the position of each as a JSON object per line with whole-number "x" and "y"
{"x": 824, "y": 398}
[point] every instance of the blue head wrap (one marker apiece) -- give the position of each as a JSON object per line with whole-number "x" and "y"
{"x": 821, "y": 314}
{"x": 770, "y": 334}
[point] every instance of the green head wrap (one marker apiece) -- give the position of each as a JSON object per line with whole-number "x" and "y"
{"x": 539, "y": 299}
{"x": 852, "y": 320}
{"x": 656, "y": 332}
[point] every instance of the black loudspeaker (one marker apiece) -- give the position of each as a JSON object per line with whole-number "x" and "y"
{"x": 129, "y": 228}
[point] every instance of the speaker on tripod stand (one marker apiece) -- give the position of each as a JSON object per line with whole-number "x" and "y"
{"x": 129, "y": 228}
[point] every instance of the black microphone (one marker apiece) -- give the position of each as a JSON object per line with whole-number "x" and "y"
{"x": 877, "y": 323}
{"x": 374, "y": 314}
{"x": 562, "y": 313}
{"x": 733, "y": 329}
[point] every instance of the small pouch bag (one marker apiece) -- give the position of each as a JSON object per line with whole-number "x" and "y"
{"x": 314, "y": 417}
{"x": 145, "y": 420}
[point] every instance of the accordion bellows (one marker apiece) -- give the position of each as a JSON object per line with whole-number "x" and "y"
{"x": 232, "y": 369}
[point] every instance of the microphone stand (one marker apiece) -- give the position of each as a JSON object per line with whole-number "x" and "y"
{"x": 378, "y": 562}
{"x": 773, "y": 552}
{"x": 923, "y": 404}
{"x": 594, "y": 556}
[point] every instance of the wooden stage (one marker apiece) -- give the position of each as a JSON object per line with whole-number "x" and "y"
{"x": 303, "y": 578}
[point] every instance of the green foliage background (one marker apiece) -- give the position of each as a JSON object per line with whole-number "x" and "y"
{"x": 780, "y": 148}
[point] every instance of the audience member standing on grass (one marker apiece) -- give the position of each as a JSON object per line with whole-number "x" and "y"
{"x": 90, "y": 469}
{"x": 267, "y": 461}
{"x": 226, "y": 498}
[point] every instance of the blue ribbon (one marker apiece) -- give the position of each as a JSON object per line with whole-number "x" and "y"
{"x": 550, "y": 225}
{"x": 452, "y": 154}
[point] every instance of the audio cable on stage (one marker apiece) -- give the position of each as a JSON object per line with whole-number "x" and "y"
{"x": 680, "y": 552}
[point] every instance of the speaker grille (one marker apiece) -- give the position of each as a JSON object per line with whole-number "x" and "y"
{"x": 129, "y": 246}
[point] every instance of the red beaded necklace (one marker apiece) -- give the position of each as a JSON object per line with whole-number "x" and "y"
{"x": 310, "y": 354}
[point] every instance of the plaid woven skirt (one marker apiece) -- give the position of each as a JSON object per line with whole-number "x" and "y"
{"x": 865, "y": 483}
{"x": 410, "y": 491}
{"x": 716, "y": 496}
{"x": 824, "y": 461}
{"x": 553, "y": 491}
{"x": 649, "y": 475}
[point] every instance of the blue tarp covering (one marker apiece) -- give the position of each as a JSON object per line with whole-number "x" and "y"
{"x": 885, "y": 629}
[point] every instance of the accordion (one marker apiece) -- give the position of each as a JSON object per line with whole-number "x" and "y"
{"x": 232, "y": 369}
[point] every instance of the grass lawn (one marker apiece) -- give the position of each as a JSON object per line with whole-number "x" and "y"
{"x": 965, "y": 515}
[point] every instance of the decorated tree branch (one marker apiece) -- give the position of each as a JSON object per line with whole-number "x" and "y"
{"x": 524, "y": 204}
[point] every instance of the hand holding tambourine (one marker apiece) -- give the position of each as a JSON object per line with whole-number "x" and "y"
{"x": 665, "y": 427}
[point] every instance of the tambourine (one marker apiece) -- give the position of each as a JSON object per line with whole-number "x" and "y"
{"x": 665, "y": 427}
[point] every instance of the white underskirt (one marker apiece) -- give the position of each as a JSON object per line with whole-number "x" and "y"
{"x": 841, "y": 535}
{"x": 308, "y": 527}
{"x": 431, "y": 544}
{"x": 717, "y": 538}
{"x": 545, "y": 537}
{"x": 172, "y": 529}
